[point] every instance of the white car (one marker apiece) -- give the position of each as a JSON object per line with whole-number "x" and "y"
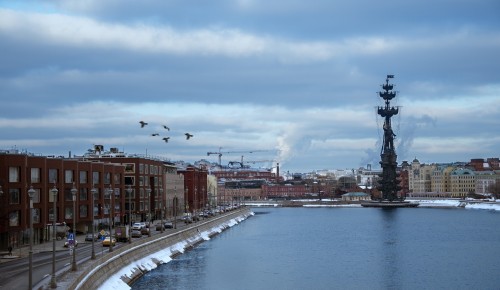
{"x": 137, "y": 226}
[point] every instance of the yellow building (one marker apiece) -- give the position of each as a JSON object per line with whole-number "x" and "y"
{"x": 463, "y": 182}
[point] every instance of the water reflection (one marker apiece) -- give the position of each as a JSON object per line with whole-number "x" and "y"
{"x": 390, "y": 246}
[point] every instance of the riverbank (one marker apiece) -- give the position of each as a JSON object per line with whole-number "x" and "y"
{"x": 436, "y": 203}
{"x": 124, "y": 265}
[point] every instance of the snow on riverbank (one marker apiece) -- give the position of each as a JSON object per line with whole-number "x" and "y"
{"x": 468, "y": 204}
{"x": 150, "y": 262}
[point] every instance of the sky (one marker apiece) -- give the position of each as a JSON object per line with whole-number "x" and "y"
{"x": 292, "y": 81}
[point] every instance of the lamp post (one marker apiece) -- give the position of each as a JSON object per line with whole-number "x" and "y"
{"x": 110, "y": 212}
{"x": 175, "y": 207}
{"x": 73, "y": 264}
{"x": 161, "y": 210}
{"x": 93, "y": 191}
{"x": 129, "y": 192}
{"x": 149, "y": 211}
{"x": 53, "y": 283}
{"x": 31, "y": 193}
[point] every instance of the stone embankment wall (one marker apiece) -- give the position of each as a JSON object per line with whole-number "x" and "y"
{"x": 103, "y": 268}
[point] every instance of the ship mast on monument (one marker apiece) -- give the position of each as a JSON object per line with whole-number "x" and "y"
{"x": 388, "y": 185}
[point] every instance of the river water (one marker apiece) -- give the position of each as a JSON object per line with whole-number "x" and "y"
{"x": 343, "y": 248}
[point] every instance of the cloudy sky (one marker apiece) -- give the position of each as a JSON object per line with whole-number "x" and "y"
{"x": 294, "y": 81}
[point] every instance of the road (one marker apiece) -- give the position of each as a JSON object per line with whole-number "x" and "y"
{"x": 14, "y": 273}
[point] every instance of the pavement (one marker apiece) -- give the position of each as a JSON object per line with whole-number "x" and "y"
{"x": 23, "y": 251}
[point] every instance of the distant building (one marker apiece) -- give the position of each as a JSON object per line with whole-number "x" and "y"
{"x": 355, "y": 196}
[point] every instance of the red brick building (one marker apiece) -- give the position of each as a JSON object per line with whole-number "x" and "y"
{"x": 195, "y": 187}
{"x": 19, "y": 171}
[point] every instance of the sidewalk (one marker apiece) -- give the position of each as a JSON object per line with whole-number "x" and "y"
{"x": 23, "y": 251}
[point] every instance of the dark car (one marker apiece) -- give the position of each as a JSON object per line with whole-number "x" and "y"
{"x": 145, "y": 231}
{"x": 89, "y": 238}
{"x": 136, "y": 234}
{"x": 168, "y": 225}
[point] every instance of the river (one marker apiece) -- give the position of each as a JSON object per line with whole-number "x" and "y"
{"x": 343, "y": 248}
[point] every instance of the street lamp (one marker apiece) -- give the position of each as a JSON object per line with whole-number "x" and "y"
{"x": 175, "y": 207}
{"x": 73, "y": 264}
{"x": 93, "y": 191}
{"x": 149, "y": 211}
{"x": 161, "y": 210}
{"x": 129, "y": 192}
{"x": 31, "y": 193}
{"x": 110, "y": 213}
{"x": 53, "y": 283}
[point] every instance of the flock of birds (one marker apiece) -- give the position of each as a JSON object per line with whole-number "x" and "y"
{"x": 144, "y": 124}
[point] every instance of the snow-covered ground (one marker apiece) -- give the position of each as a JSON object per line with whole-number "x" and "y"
{"x": 468, "y": 204}
{"x": 164, "y": 256}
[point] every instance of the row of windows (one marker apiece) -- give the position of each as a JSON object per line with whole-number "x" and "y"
{"x": 143, "y": 169}
{"x": 14, "y": 216}
{"x": 82, "y": 195}
{"x": 144, "y": 181}
{"x": 35, "y": 176}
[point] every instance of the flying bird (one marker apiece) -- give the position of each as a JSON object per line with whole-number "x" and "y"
{"x": 167, "y": 128}
{"x": 166, "y": 139}
{"x": 155, "y": 134}
{"x": 188, "y": 136}
{"x": 143, "y": 124}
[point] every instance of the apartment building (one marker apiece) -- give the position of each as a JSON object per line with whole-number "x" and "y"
{"x": 54, "y": 180}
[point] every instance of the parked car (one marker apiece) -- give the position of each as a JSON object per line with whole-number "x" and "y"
{"x": 136, "y": 234}
{"x": 66, "y": 243}
{"x": 168, "y": 225}
{"x": 145, "y": 231}
{"x": 137, "y": 226}
{"x": 108, "y": 241}
{"x": 90, "y": 237}
{"x": 187, "y": 218}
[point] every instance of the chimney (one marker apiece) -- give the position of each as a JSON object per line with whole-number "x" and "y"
{"x": 277, "y": 172}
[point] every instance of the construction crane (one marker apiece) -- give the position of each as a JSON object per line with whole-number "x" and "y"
{"x": 220, "y": 153}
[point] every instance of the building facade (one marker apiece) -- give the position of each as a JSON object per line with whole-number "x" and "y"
{"x": 54, "y": 180}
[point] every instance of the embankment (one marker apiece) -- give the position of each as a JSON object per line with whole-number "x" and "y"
{"x": 132, "y": 261}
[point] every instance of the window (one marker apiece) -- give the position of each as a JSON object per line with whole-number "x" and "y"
{"x": 107, "y": 194}
{"x": 83, "y": 177}
{"x": 96, "y": 194}
{"x": 117, "y": 178}
{"x": 68, "y": 213}
{"x": 130, "y": 168}
{"x": 95, "y": 177}
{"x": 107, "y": 178}
{"x": 68, "y": 176}
{"x": 129, "y": 180}
{"x": 83, "y": 211}
{"x": 68, "y": 196}
{"x": 13, "y": 174}
{"x": 83, "y": 194}
{"x": 35, "y": 175}
{"x": 141, "y": 168}
{"x": 131, "y": 195}
{"x": 14, "y": 219}
{"x": 141, "y": 180}
{"x": 53, "y": 176}
{"x": 14, "y": 195}
{"x": 36, "y": 196}
{"x": 36, "y": 215}
{"x": 51, "y": 214}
